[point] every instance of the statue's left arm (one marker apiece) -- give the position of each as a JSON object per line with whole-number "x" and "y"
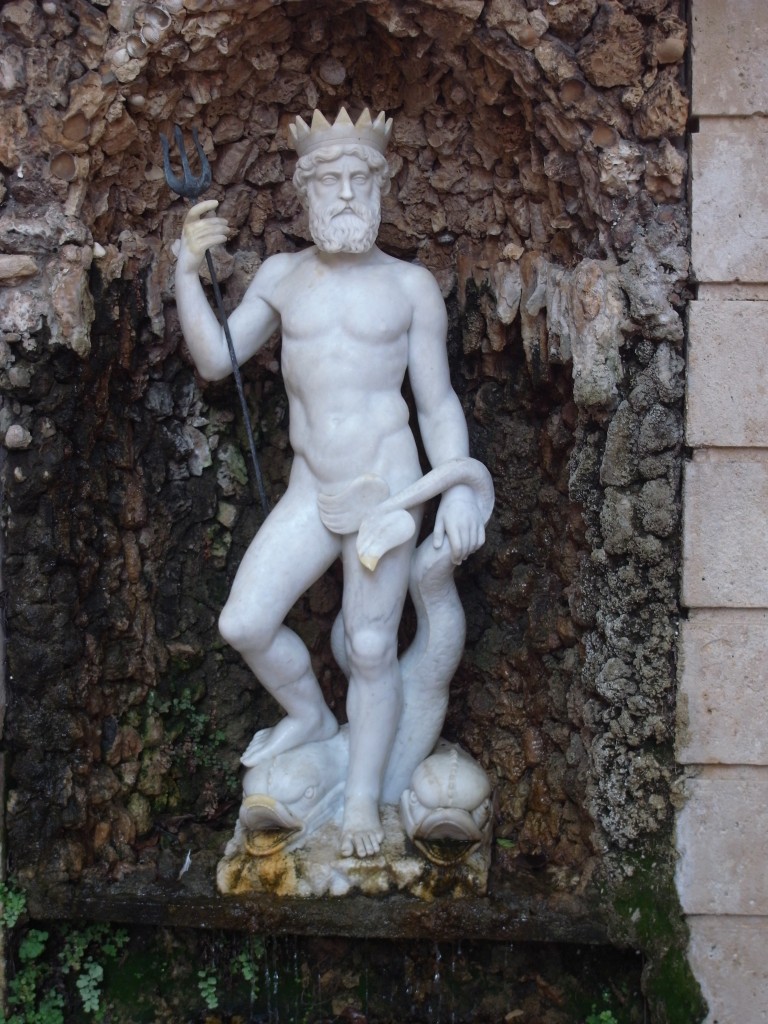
{"x": 441, "y": 417}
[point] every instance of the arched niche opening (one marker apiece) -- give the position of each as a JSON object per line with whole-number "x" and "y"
{"x": 533, "y": 174}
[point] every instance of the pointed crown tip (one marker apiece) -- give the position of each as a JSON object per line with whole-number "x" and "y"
{"x": 365, "y": 131}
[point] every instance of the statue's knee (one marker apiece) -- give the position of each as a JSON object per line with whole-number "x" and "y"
{"x": 251, "y": 633}
{"x": 370, "y": 650}
{"x": 230, "y": 627}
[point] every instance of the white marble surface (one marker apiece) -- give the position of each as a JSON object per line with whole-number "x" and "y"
{"x": 354, "y": 321}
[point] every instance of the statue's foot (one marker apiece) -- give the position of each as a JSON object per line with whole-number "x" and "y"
{"x": 361, "y": 831}
{"x": 289, "y": 733}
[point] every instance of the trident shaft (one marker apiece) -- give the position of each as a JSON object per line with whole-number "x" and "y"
{"x": 192, "y": 186}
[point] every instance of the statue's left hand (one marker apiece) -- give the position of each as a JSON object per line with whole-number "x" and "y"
{"x": 460, "y": 520}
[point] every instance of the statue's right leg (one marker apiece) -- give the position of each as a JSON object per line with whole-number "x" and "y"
{"x": 291, "y": 550}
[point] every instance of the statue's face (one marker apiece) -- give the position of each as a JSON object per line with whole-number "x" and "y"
{"x": 344, "y": 205}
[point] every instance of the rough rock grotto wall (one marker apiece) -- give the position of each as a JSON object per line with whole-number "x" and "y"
{"x": 539, "y": 174}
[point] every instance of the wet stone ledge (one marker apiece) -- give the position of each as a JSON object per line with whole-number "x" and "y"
{"x": 510, "y": 916}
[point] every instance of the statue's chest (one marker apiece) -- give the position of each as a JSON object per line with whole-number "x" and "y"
{"x": 367, "y": 310}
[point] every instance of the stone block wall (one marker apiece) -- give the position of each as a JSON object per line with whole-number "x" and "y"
{"x": 723, "y": 703}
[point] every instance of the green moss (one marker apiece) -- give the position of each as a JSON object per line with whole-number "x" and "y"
{"x": 184, "y": 661}
{"x": 140, "y": 974}
{"x": 182, "y": 735}
{"x": 673, "y": 991}
{"x": 648, "y": 916}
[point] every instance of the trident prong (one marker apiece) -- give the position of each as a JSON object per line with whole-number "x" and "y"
{"x": 191, "y": 187}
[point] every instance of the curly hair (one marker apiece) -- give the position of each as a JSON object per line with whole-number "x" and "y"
{"x": 307, "y": 165}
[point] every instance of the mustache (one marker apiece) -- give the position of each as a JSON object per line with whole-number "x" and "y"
{"x": 361, "y": 210}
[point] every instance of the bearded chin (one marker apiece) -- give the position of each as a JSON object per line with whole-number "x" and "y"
{"x": 345, "y": 233}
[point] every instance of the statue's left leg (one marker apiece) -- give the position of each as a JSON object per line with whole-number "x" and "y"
{"x": 372, "y": 606}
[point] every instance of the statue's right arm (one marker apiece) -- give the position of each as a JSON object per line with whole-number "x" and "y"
{"x": 251, "y": 324}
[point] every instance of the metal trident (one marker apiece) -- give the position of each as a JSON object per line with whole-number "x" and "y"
{"x": 188, "y": 186}
{"x": 191, "y": 187}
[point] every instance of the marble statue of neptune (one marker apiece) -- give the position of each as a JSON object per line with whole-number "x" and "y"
{"x": 354, "y": 321}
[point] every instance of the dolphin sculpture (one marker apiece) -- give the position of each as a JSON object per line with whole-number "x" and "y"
{"x": 446, "y": 811}
{"x": 291, "y": 795}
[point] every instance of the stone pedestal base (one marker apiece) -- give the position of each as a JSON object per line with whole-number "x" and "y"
{"x": 317, "y": 869}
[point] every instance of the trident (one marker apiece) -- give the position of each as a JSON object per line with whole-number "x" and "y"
{"x": 191, "y": 187}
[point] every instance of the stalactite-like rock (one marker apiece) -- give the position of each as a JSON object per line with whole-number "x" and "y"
{"x": 72, "y": 308}
{"x": 598, "y": 310}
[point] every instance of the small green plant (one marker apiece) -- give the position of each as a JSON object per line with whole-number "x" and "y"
{"x": 80, "y": 955}
{"x": 13, "y": 903}
{"x": 245, "y": 963}
{"x": 89, "y": 985}
{"x": 36, "y": 992}
{"x": 207, "y": 983}
{"x": 194, "y": 739}
{"x": 25, "y": 1003}
{"x": 244, "y": 966}
{"x": 32, "y": 945}
{"x": 604, "y": 1017}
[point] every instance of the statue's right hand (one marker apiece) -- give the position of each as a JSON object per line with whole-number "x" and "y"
{"x": 200, "y": 233}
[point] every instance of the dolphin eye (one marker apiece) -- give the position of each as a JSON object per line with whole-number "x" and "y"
{"x": 309, "y": 792}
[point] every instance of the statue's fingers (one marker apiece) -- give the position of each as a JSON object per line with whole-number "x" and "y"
{"x": 458, "y": 547}
{"x": 438, "y": 534}
{"x": 199, "y": 236}
{"x": 211, "y": 236}
{"x": 208, "y": 224}
{"x": 472, "y": 536}
{"x": 473, "y": 539}
{"x": 200, "y": 209}
{"x": 455, "y": 543}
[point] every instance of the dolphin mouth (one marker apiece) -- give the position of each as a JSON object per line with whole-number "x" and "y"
{"x": 445, "y": 852}
{"x": 449, "y": 823}
{"x": 447, "y": 835}
{"x": 269, "y": 824}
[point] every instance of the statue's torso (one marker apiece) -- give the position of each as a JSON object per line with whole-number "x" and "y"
{"x": 344, "y": 357}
